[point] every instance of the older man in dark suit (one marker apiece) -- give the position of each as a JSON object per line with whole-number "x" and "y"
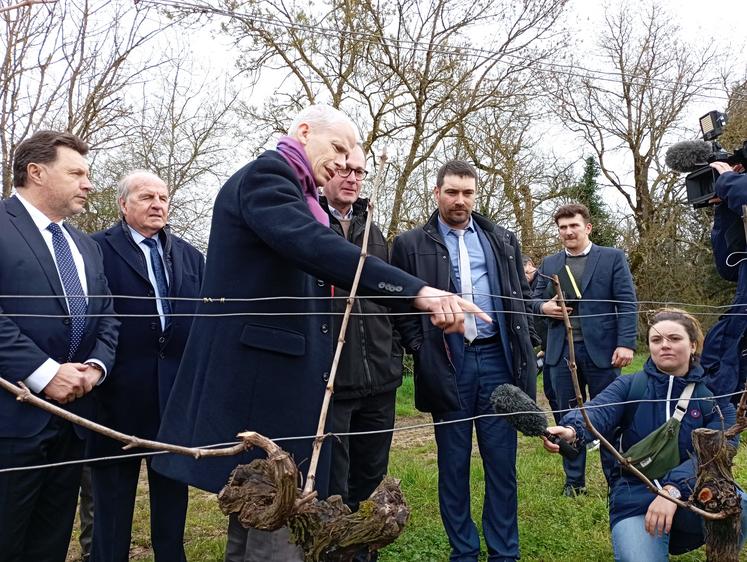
{"x": 57, "y": 336}
{"x": 142, "y": 258}
{"x": 599, "y": 287}
{"x": 260, "y": 359}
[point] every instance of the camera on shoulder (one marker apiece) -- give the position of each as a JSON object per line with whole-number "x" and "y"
{"x": 694, "y": 157}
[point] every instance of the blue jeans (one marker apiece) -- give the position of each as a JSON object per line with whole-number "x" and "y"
{"x": 632, "y": 543}
{"x": 484, "y": 368}
{"x": 596, "y": 379}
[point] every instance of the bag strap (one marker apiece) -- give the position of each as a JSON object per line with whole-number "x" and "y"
{"x": 681, "y": 408}
{"x": 636, "y": 391}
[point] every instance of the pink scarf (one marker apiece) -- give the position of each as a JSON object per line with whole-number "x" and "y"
{"x": 294, "y": 154}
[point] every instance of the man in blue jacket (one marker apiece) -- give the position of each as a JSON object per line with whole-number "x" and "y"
{"x": 725, "y": 347}
{"x": 459, "y": 250}
{"x": 57, "y": 336}
{"x": 142, "y": 258}
{"x": 259, "y": 360}
{"x": 600, "y": 295}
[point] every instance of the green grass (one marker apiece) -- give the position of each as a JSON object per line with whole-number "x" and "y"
{"x": 551, "y": 528}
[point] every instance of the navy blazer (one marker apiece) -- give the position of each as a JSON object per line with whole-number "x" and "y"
{"x": 438, "y": 356}
{"x": 608, "y": 307}
{"x": 258, "y": 361}
{"x": 147, "y": 358}
{"x": 33, "y": 330}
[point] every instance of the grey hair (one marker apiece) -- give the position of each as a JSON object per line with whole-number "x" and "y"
{"x": 321, "y": 114}
{"x": 131, "y": 179}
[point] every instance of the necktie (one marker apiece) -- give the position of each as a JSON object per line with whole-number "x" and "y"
{"x": 160, "y": 274}
{"x": 76, "y": 300}
{"x": 465, "y": 276}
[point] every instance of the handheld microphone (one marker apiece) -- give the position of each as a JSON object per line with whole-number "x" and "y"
{"x": 509, "y": 399}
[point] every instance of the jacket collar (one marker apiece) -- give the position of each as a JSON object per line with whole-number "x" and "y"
{"x": 695, "y": 374}
{"x": 360, "y": 205}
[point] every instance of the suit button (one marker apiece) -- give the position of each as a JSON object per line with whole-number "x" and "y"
{"x": 510, "y": 257}
{"x": 66, "y": 321}
{"x": 162, "y": 355}
{"x": 325, "y": 376}
{"x": 513, "y": 292}
{"x": 382, "y": 284}
{"x": 398, "y": 288}
{"x": 324, "y": 328}
{"x": 161, "y": 339}
{"x": 518, "y": 327}
{"x": 320, "y": 282}
{"x": 443, "y": 257}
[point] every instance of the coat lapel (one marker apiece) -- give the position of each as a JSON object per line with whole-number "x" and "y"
{"x": 20, "y": 218}
{"x": 127, "y": 250}
{"x": 591, "y": 265}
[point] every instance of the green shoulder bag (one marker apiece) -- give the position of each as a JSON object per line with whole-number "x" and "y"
{"x": 659, "y": 452}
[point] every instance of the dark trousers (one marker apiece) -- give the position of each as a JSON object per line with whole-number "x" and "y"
{"x": 85, "y": 512}
{"x": 253, "y": 545}
{"x": 484, "y": 368}
{"x": 549, "y": 392}
{"x": 592, "y": 380}
{"x": 114, "y": 490}
{"x": 360, "y": 462}
{"x": 37, "y": 507}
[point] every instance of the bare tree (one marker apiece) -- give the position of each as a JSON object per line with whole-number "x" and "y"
{"x": 181, "y": 132}
{"x": 627, "y": 110}
{"x": 68, "y": 65}
{"x": 409, "y": 72}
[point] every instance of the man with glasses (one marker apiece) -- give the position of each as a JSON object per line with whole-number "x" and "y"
{"x": 371, "y": 362}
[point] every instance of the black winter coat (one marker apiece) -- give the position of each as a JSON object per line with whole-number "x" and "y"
{"x": 438, "y": 356}
{"x": 258, "y": 361}
{"x": 371, "y": 360}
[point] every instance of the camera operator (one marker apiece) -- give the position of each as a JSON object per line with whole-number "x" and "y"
{"x": 725, "y": 346}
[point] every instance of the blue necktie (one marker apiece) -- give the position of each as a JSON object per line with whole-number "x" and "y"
{"x": 163, "y": 286}
{"x": 76, "y": 299}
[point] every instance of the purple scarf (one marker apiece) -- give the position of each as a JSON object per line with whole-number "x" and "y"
{"x": 294, "y": 154}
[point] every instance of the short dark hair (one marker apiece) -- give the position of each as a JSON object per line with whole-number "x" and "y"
{"x": 571, "y": 210}
{"x": 525, "y": 259}
{"x": 455, "y": 168}
{"x": 41, "y": 148}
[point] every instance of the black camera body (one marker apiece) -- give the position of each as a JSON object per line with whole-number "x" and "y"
{"x": 701, "y": 184}
{"x": 694, "y": 157}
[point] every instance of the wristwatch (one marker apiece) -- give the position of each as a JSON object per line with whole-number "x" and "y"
{"x": 96, "y": 366}
{"x": 673, "y": 492}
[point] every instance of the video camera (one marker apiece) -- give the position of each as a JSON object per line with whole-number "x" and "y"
{"x": 693, "y": 157}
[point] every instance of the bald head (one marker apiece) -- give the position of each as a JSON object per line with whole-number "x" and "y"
{"x": 328, "y": 136}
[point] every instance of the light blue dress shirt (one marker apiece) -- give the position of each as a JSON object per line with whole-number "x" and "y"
{"x": 478, "y": 268}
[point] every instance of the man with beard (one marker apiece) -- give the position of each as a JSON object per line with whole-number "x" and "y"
{"x": 455, "y": 374}
{"x": 600, "y": 295}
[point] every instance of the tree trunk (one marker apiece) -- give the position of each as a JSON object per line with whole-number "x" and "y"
{"x": 715, "y": 490}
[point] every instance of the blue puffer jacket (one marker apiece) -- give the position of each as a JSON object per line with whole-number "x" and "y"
{"x": 628, "y": 495}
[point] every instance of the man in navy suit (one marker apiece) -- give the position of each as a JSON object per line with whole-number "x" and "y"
{"x": 57, "y": 336}
{"x": 460, "y": 250}
{"x": 259, "y": 360}
{"x": 142, "y": 258}
{"x": 598, "y": 287}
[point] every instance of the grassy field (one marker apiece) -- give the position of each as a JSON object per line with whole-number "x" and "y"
{"x": 551, "y": 527}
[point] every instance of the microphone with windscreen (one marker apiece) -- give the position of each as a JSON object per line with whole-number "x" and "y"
{"x": 531, "y": 420}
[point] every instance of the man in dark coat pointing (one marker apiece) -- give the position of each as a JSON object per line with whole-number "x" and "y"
{"x": 259, "y": 360}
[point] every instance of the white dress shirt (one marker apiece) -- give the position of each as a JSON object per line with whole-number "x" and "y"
{"x": 138, "y": 238}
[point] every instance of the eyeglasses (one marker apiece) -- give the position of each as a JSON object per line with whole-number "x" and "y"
{"x": 360, "y": 175}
